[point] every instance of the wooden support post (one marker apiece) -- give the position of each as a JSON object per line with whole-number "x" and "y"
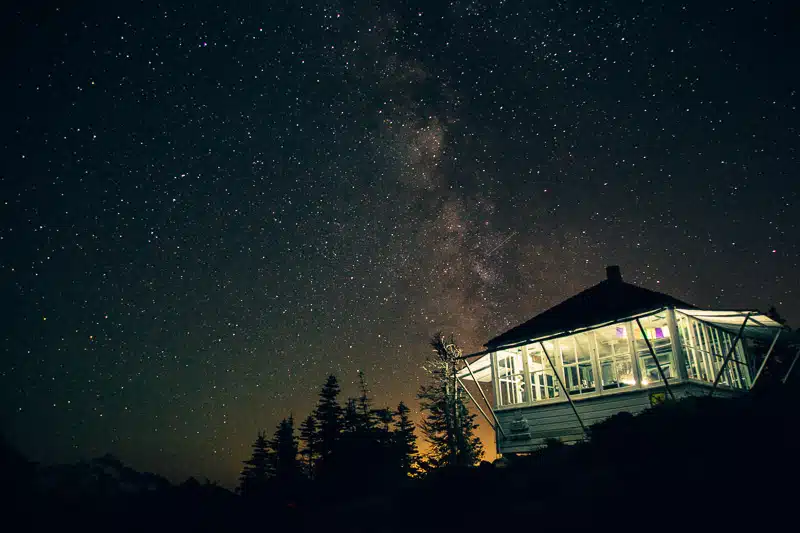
{"x": 790, "y": 367}
{"x": 728, "y": 355}
{"x": 766, "y": 358}
{"x": 495, "y": 380}
{"x": 746, "y": 370}
{"x": 491, "y": 425}
{"x": 658, "y": 365}
{"x": 483, "y": 395}
{"x": 455, "y": 412}
{"x": 563, "y": 388}
{"x": 496, "y": 389}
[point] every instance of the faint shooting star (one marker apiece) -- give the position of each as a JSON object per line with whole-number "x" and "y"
{"x": 490, "y": 252}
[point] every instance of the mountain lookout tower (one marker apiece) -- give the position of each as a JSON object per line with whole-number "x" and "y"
{"x": 613, "y": 347}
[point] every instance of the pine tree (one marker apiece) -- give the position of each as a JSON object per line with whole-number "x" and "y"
{"x": 405, "y": 442}
{"x": 329, "y": 418}
{"x": 448, "y": 426}
{"x": 351, "y": 421}
{"x": 308, "y": 434}
{"x": 773, "y": 313}
{"x": 365, "y": 413}
{"x": 284, "y": 447}
{"x": 257, "y": 470}
{"x": 385, "y": 416}
{"x": 353, "y": 452}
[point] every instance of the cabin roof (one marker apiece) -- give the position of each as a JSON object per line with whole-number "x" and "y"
{"x": 609, "y": 300}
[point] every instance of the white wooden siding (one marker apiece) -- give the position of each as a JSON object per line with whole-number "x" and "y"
{"x": 527, "y": 427}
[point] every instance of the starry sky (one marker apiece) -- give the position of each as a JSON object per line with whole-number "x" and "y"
{"x": 207, "y": 208}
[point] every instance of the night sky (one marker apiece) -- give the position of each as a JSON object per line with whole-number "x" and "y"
{"x": 206, "y": 209}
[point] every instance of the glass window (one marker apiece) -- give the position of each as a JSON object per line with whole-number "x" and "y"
{"x": 576, "y": 360}
{"x": 584, "y": 343}
{"x": 739, "y": 363}
{"x": 705, "y": 347}
{"x": 736, "y": 373}
{"x": 511, "y": 377}
{"x": 655, "y": 326}
{"x": 614, "y": 357}
{"x": 543, "y": 378}
{"x": 695, "y": 362}
{"x": 701, "y": 337}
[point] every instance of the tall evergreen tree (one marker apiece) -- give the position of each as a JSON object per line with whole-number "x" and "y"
{"x": 351, "y": 421}
{"x": 773, "y": 313}
{"x": 353, "y": 451}
{"x": 364, "y": 455}
{"x": 329, "y": 418}
{"x": 385, "y": 417}
{"x": 405, "y": 442}
{"x": 310, "y": 450}
{"x": 257, "y": 470}
{"x": 365, "y": 413}
{"x": 448, "y": 426}
{"x": 284, "y": 447}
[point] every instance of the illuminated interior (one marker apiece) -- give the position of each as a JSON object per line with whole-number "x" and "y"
{"x": 610, "y": 358}
{"x": 703, "y": 344}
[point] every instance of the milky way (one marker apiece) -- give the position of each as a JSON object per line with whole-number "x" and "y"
{"x": 205, "y": 210}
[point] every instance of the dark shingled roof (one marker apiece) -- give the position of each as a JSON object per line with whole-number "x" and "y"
{"x": 609, "y": 300}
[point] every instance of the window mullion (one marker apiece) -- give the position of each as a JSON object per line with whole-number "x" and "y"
{"x": 595, "y": 355}
{"x": 527, "y": 375}
{"x": 637, "y": 374}
{"x": 495, "y": 380}
{"x": 678, "y": 356}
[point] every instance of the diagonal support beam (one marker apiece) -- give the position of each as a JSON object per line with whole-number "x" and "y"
{"x": 766, "y": 358}
{"x": 790, "y": 367}
{"x": 489, "y": 420}
{"x": 729, "y": 354}
{"x": 566, "y": 392}
{"x": 485, "y": 399}
{"x": 658, "y": 365}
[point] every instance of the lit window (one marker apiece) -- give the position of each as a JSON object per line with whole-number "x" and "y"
{"x": 543, "y": 377}
{"x": 655, "y": 326}
{"x": 576, "y": 356}
{"x": 705, "y": 347}
{"x": 614, "y": 357}
{"x": 511, "y": 377}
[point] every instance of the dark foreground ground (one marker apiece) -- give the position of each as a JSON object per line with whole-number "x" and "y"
{"x": 698, "y": 463}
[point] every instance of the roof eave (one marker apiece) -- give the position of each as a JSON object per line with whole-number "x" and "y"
{"x": 490, "y": 346}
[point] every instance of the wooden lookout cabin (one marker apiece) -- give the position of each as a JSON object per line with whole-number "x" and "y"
{"x": 613, "y": 347}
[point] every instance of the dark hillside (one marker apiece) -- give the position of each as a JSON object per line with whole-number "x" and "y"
{"x": 699, "y": 460}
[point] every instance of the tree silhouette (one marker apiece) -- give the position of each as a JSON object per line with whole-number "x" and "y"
{"x": 385, "y": 416}
{"x": 308, "y": 435}
{"x": 351, "y": 421}
{"x": 257, "y": 470}
{"x": 448, "y": 425}
{"x": 360, "y": 444}
{"x": 328, "y": 415}
{"x": 364, "y": 407}
{"x": 284, "y": 447}
{"x": 773, "y": 313}
{"x": 405, "y": 442}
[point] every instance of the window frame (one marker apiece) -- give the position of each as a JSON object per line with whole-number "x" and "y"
{"x": 702, "y": 338}
{"x": 690, "y": 355}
